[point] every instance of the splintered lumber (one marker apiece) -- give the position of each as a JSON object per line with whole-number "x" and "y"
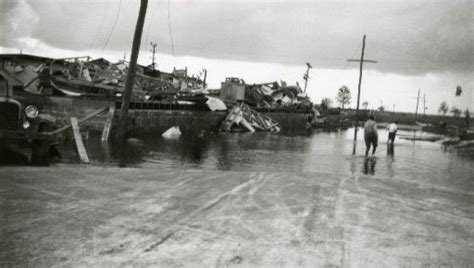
{"x": 108, "y": 123}
{"x": 80, "y": 120}
{"x": 247, "y": 125}
{"x": 250, "y": 119}
{"x": 233, "y": 117}
{"x": 81, "y": 150}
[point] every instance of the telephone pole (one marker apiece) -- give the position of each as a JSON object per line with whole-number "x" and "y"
{"x": 306, "y": 75}
{"x": 417, "y": 102}
{"x": 361, "y": 61}
{"x": 127, "y": 91}
{"x": 153, "y": 51}
{"x": 424, "y": 104}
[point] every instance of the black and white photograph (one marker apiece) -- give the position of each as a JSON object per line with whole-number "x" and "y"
{"x": 236, "y": 133}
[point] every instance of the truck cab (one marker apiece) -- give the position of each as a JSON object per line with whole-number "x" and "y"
{"x": 23, "y": 123}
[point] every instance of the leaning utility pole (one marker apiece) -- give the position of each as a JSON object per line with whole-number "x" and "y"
{"x": 153, "y": 51}
{"x": 360, "y": 82}
{"x": 417, "y": 102}
{"x": 424, "y": 104}
{"x": 306, "y": 75}
{"x": 127, "y": 91}
{"x": 205, "y": 78}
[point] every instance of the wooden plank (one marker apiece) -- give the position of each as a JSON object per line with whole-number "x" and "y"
{"x": 79, "y": 144}
{"x": 108, "y": 123}
{"x": 79, "y": 121}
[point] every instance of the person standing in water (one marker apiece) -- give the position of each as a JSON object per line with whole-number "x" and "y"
{"x": 392, "y": 131}
{"x": 370, "y": 135}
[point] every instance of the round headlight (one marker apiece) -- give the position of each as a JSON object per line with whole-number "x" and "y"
{"x": 31, "y": 111}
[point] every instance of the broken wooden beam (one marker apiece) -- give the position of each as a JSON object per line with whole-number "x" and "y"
{"x": 108, "y": 123}
{"x": 81, "y": 150}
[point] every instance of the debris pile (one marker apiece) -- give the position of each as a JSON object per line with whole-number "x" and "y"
{"x": 265, "y": 95}
{"x": 80, "y": 76}
{"x": 84, "y": 76}
{"x": 243, "y": 118}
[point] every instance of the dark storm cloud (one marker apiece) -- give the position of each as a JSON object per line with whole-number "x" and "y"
{"x": 409, "y": 37}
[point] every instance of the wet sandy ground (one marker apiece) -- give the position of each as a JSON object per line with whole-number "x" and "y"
{"x": 74, "y": 215}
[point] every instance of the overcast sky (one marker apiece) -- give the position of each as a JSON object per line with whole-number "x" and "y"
{"x": 418, "y": 44}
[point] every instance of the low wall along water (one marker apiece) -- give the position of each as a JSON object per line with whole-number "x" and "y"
{"x": 151, "y": 121}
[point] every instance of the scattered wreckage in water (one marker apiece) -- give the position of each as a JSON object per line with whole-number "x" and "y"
{"x": 84, "y": 88}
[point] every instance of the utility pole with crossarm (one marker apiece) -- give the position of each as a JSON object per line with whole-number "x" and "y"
{"x": 306, "y": 75}
{"x": 361, "y": 61}
{"x": 153, "y": 57}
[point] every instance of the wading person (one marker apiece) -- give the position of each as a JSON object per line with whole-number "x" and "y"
{"x": 370, "y": 135}
{"x": 392, "y": 132}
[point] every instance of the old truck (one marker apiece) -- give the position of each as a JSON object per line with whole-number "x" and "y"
{"x": 23, "y": 125}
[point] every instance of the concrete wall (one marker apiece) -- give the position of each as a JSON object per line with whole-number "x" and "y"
{"x": 154, "y": 121}
{"x": 290, "y": 123}
{"x": 158, "y": 121}
{"x": 63, "y": 108}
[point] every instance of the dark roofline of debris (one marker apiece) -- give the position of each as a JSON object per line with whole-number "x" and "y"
{"x": 84, "y": 76}
{"x": 29, "y": 58}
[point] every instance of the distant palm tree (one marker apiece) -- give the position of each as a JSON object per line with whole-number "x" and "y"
{"x": 443, "y": 108}
{"x": 344, "y": 96}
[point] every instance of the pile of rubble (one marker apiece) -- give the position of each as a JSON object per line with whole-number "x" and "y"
{"x": 83, "y": 76}
{"x": 270, "y": 95}
{"x": 243, "y": 118}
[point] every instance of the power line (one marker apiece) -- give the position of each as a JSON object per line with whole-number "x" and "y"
{"x": 353, "y": 56}
{"x": 151, "y": 23}
{"x": 98, "y": 29}
{"x": 169, "y": 26}
{"x": 113, "y": 27}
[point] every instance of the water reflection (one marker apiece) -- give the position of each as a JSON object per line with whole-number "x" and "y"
{"x": 328, "y": 152}
{"x": 390, "y": 159}
{"x": 369, "y": 165}
{"x": 390, "y": 150}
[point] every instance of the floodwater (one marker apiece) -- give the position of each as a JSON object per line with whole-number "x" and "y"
{"x": 258, "y": 200}
{"x": 327, "y": 152}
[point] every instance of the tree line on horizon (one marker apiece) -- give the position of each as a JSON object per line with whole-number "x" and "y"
{"x": 344, "y": 98}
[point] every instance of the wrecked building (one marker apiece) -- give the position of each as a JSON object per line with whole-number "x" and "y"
{"x": 271, "y": 95}
{"x": 81, "y": 86}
